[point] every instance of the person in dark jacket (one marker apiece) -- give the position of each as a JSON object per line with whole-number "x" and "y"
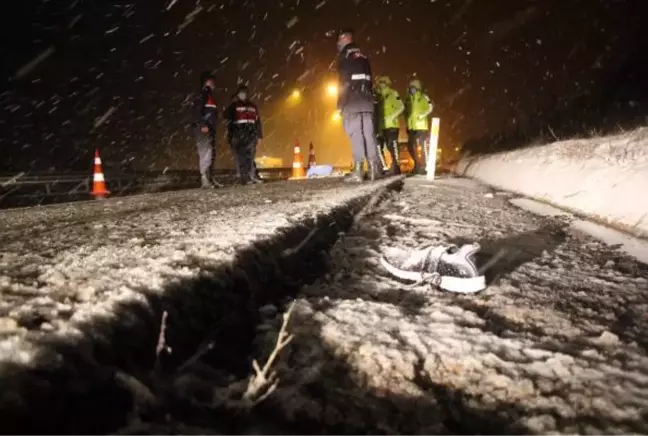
{"x": 234, "y": 98}
{"x": 356, "y": 105}
{"x": 205, "y": 116}
{"x": 256, "y": 170}
{"x": 244, "y": 132}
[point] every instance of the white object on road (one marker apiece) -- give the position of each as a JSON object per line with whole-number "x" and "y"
{"x": 319, "y": 171}
{"x": 430, "y": 167}
{"x": 449, "y": 267}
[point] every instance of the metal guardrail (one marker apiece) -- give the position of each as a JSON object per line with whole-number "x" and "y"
{"x": 26, "y": 186}
{"x": 27, "y": 189}
{"x": 77, "y": 182}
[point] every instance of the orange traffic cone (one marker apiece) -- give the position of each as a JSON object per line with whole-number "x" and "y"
{"x": 311, "y": 156}
{"x": 99, "y": 190}
{"x": 298, "y": 163}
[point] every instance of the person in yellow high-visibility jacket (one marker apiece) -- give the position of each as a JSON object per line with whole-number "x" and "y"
{"x": 418, "y": 108}
{"x": 390, "y": 108}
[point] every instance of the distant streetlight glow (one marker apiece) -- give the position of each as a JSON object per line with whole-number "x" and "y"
{"x": 336, "y": 117}
{"x": 295, "y": 94}
{"x": 332, "y": 90}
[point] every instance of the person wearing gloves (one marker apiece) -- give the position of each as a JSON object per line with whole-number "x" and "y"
{"x": 418, "y": 108}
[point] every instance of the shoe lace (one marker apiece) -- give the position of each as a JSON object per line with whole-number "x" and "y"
{"x": 432, "y": 278}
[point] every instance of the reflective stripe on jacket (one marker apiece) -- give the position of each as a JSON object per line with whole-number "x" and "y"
{"x": 243, "y": 120}
{"x": 355, "y": 90}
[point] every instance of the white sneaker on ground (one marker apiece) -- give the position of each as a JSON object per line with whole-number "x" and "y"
{"x": 449, "y": 267}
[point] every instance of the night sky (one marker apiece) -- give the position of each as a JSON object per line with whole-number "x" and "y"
{"x": 489, "y": 65}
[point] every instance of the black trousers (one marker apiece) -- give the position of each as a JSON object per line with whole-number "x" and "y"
{"x": 244, "y": 149}
{"x": 415, "y": 137}
{"x": 390, "y": 141}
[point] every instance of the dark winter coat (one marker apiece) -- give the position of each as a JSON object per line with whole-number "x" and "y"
{"x": 205, "y": 110}
{"x": 243, "y": 120}
{"x": 356, "y": 88}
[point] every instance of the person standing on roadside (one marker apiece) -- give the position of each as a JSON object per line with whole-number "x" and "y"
{"x": 391, "y": 108}
{"x": 205, "y": 116}
{"x": 356, "y": 105}
{"x": 244, "y": 132}
{"x": 418, "y": 109}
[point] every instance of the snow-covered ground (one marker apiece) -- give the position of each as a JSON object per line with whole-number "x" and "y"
{"x": 604, "y": 178}
{"x": 556, "y": 343}
{"x": 95, "y": 276}
{"x": 73, "y": 262}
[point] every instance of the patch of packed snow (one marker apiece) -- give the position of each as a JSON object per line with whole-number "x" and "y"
{"x": 604, "y": 177}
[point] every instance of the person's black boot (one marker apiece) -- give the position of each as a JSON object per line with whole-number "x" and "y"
{"x": 395, "y": 168}
{"x": 356, "y": 175}
{"x": 395, "y": 162}
{"x": 416, "y": 167}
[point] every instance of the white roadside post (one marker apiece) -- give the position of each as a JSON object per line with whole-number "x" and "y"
{"x": 432, "y": 153}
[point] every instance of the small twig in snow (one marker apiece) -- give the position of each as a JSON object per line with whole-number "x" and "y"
{"x": 264, "y": 378}
{"x": 291, "y": 251}
{"x": 161, "y": 343}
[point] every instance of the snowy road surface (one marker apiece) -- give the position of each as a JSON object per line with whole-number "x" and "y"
{"x": 73, "y": 276}
{"x": 557, "y": 343}
{"x": 58, "y": 262}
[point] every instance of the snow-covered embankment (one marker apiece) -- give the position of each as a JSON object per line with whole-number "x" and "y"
{"x": 603, "y": 178}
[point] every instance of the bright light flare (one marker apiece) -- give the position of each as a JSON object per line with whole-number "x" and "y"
{"x": 332, "y": 90}
{"x": 336, "y": 117}
{"x": 295, "y": 94}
